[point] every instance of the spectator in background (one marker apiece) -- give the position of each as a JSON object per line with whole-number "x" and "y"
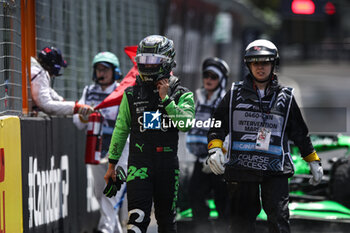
{"x": 105, "y": 75}
{"x": 43, "y": 70}
{"x": 203, "y": 182}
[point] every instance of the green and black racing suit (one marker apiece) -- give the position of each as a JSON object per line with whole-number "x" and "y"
{"x": 153, "y": 167}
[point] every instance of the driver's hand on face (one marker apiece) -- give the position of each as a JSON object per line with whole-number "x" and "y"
{"x": 163, "y": 86}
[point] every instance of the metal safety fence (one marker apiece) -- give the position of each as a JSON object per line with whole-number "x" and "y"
{"x": 83, "y": 28}
{"x": 80, "y": 29}
{"x": 10, "y": 58}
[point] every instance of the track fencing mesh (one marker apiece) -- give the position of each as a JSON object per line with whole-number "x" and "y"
{"x": 80, "y": 29}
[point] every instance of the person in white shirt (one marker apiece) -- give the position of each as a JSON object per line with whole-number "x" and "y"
{"x": 43, "y": 69}
{"x": 106, "y": 73}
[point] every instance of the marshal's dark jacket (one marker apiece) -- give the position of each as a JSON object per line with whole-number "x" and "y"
{"x": 294, "y": 128}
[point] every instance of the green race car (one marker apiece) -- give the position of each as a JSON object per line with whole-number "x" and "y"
{"x": 321, "y": 208}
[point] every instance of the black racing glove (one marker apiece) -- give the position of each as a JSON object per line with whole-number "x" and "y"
{"x": 113, "y": 187}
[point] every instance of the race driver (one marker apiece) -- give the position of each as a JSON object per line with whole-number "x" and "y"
{"x": 153, "y": 168}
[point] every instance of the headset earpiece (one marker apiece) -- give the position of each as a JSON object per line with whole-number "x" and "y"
{"x": 117, "y": 74}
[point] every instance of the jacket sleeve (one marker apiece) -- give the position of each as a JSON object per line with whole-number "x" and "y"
{"x": 181, "y": 112}
{"x": 55, "y": 96}
{"x": 297, "y": 130}
{"x": 120, "y": 132}
{"x": 221, "y": 114}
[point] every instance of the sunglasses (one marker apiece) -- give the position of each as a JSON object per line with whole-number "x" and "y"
{"x": 210, "y": 75}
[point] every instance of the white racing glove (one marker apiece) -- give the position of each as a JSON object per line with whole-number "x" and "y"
{"x": 317, "y": 172}
{"x": 216, "y": 160}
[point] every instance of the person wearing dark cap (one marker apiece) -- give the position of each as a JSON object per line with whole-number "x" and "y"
{"x": 45, "y": 68}
{"x": 215, "y": 73}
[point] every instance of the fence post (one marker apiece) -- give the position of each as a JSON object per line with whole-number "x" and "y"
{"x": 28, "y": 46}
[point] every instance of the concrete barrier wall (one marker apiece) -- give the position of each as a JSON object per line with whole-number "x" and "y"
{"x": 54, "y": 180}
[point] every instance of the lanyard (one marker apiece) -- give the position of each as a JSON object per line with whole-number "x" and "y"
{"x": 263, "y": 114}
